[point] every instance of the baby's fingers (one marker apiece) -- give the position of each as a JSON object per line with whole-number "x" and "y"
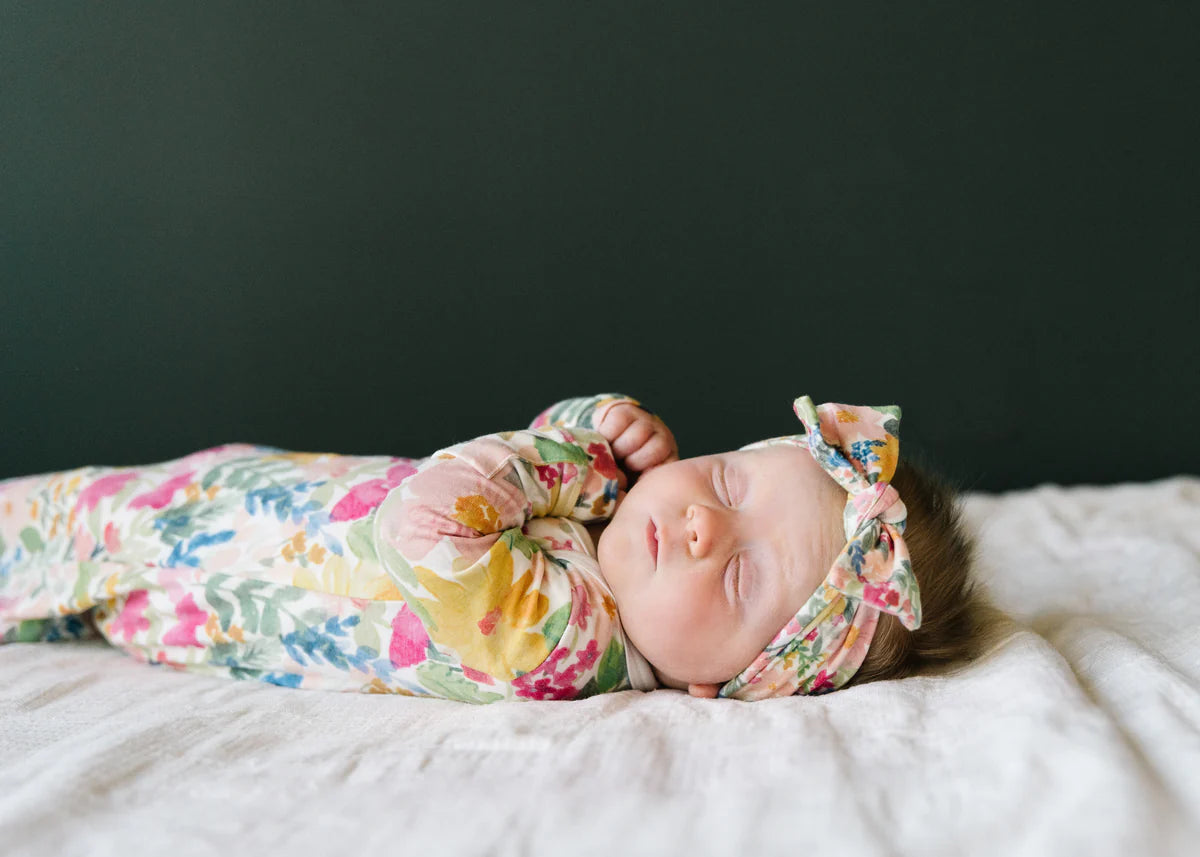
{"x": 659, "y": 449}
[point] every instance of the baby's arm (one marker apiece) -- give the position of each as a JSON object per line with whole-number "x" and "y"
{"x": 639, "y": 438}
{"x": 483, "y": 542}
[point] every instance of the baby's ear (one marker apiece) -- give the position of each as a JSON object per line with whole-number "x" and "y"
{"x": 704, "y": 691}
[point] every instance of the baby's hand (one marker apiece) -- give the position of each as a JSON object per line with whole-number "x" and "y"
{"x": 640, "y": 441}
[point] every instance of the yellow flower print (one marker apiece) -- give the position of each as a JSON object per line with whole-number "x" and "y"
{"x": 337, "y": 577}
{"x": 888, "y": 454}
{"x": 301, "y": 458}
{"x": 610, "y": 606}
{"x": 476, "y": 512}
{"x": 483, "y": 617}
{"x": 851, "y": 638}
{"x": 213, "y": 629}
{"x": 846, "y": 416}
{"x": 376, "y": 685}
{"x": 294, "y": 547}
{"x": 193, "y": 492}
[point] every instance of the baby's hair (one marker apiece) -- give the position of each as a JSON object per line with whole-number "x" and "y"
{"x": 942, "y": 553}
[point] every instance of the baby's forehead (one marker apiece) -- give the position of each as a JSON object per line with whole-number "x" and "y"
{"x": 758, "y": 452}
{"x": 768, "y": 464}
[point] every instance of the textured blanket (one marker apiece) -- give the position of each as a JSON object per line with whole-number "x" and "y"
{"x": 1077, "y": 732}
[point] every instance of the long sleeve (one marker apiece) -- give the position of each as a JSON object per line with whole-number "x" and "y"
{"x": 583, "y": 411}
{"x": 486, "y": 543}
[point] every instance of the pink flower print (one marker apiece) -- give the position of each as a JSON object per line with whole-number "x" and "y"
{"x": 161, "y": 496}
{"x": 882, "y": 597}
{"x": 542, "y": 688}
{"x": 556, "y": 545}
{"x": 84, "y": 543}
{"x": 580, "y": 609}
{"x": 361, "y": 499}
{"x": 821, "y": 683}
{"x": 364, "y": 497}
{"x": 552, "y": 474}
{"x": 547, "y": 474}
{"x": 190, "y": 618}
{"x": 602, "y": 460}
{"x": 130, "y": 620}
{"x": 400, "y": 472}
{"x": 588, "y": 656}
{"x": 488, "y": 623}
{"x": 106, "y": 486}
{"x": 476, "y": 675}
{"x": 544, "y": 683}
{"x": 453, "y": 501}
{"x": 112, "y": 542}
{"x": 409, "y": 639}
{"x": 172, "y": 580}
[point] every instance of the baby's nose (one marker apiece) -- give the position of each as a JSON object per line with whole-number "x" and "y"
{"x": 700, "y": 527}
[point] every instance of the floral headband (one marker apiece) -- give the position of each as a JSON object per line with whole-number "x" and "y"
{"x": 824, "y": 644}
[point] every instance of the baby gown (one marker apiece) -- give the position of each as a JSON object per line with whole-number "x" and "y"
{"x": 467, "y": 575}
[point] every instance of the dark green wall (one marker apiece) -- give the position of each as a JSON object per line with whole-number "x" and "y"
{"x": 333, "y": 227}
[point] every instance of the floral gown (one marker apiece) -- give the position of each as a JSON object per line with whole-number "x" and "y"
{"x": 467, "y": 575}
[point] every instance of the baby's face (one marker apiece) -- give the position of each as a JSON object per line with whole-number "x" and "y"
{"x": 743, "y": 539}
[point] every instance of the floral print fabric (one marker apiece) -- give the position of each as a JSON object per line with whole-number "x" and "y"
{"x": 465, "y": 575}
{"x": 822, "y": 647}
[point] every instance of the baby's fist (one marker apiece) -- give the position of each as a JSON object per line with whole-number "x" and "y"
{"x": 640, "y": 440}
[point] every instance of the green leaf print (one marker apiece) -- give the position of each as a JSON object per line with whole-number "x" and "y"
{"x": 32, "y": 540}
{"x": 361, "y": 537}
{"x": 451, "y": 684}
{"x": 314, "y": 616}
{"x": 256, "y": 655}
{"x": 224, "y": 608}
{"x": 553, "y": 629}
{"x": 29, "y": 631}
{"x": 396, "y": 565}
{"x": 513, "y": 538}
{"x": 269, "y": 625}
{"x": 552, "y": 451}
{"x": 366, "y": 635}
{"x": 612, "y": 667}
{"x": 322, "y": 495}
{"x": 246, "y": 602}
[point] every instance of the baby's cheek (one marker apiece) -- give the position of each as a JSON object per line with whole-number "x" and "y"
{"x": 671, "y": 635}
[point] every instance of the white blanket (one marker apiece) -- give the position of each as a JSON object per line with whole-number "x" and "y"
{"x": 1077, "y": 733}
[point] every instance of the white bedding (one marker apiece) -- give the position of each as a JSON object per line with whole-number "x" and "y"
{"x": 1078, "y": 733}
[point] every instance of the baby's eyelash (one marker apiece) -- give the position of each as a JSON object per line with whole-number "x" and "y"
{"x": 728, "y": 498}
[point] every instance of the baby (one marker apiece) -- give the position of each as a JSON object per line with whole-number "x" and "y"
{"x": 511, "y": 566}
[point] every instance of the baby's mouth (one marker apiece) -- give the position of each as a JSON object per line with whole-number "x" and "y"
{"x": 652, "y": 541}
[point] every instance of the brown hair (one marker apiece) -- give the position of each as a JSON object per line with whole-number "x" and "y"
{"x": 941, "y": 550}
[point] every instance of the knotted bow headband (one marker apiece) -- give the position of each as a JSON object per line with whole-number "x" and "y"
{"x": 824, "y": 644}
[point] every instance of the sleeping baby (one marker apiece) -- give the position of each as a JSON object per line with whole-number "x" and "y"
{"x": 578, "y": 556}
